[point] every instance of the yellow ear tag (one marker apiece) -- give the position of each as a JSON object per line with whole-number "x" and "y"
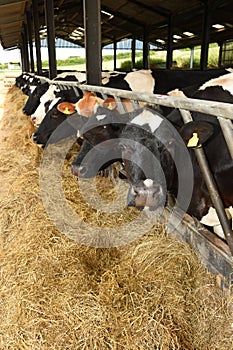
{"x": 193, "y": 142}
{"x": 66, "y": 111}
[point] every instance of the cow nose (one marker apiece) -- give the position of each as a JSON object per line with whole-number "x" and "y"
{"x": 34, "y": 120}
{"x": 34, "y": 137}
{"x": 79, "y": 170}
{"x": 141, "y": 195}
{"x": 25, "y": 111}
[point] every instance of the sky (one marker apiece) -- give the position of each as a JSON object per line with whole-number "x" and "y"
{"x": 61, "y": 53}
{"x": 9, "y": 56}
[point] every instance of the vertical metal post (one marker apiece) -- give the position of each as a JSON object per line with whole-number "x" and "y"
{"x": 170, "y": 42}
{"x": 29, "y": 26}
{"x": 133, "y": 49}
{"x": 220, "y": 54}
{"x": 205, "y": 36}
{"x": 115, "y": 54}
{"x": 49, "y": 17}
{"x": 22, "y": 57}
{"x": 145, "y": 50}
{"x": 191, "y": 57}
{"x": 92, "y": 25}
{"x": 37, "y": 36}
{"x": 25, "y": 46}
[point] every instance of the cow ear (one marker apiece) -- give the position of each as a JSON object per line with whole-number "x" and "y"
{"x": 66, "y": 107}
{"x": 196, "y": 133}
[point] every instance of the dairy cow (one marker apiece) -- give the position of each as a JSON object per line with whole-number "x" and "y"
{"x": 146, "y": 126}
{"x": 57, "y": 111}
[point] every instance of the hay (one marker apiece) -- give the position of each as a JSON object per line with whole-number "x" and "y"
{"x": 57, "y": 294}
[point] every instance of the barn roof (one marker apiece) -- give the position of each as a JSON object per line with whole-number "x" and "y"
{"x": 123, "y": 19}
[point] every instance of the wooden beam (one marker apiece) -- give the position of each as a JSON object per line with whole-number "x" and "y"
{"x": 9, "y": 2}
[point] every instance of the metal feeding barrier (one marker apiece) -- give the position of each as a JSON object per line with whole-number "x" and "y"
{"x": 221, "y": 110}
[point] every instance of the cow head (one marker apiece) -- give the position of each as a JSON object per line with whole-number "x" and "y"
{"x": 157, "y": 160}
{"x": 142, "y": 155}
{"x": 90, "y": 160}
{"x": 33, "y": 100}
{"x": 57, "y": 113}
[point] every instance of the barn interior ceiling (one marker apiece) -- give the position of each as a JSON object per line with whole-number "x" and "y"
{"x": 124, "y": 19}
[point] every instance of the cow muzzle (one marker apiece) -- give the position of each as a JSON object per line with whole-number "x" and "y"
{"x": 141, "y": 195}
{"x": 79, "y": 170}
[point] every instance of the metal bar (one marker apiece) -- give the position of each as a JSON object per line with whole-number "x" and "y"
{"x": 76, "y": 91}
{"x": 135, "y": 104}
{"x": 216, "y": 109}
{"x": 227, "y": 129}
{"x": 120, "y": 106}
{"x": 212, "y": 187}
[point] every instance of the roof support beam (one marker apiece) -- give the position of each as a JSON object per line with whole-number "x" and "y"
{"x": 29, "y": 26}
{"x": 25, "y": 48}
{"x": 37, "y": 36}
{"x": 145, "y": 52}
{"x": 92, "y": 25}
{"x": 115, "y": 54}
{"x": 170, "y": 42}
{"x": 49, "y": 18}
{"x": 133, "y": 52}
{"x": 205, "y": 37}
{"x": 22, "y": 56}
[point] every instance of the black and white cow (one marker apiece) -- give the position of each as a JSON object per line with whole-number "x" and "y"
{"x": 54, "y": 116}
{"x": 160, "y": 81}
{"x": 33, "y": 100}
{"x": 142, "y": 127}
{"x": 27, "y": 82}
{"x": 43, "y": 93}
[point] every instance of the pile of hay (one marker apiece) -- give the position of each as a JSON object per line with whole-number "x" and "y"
{"x": 57, "y": 294}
